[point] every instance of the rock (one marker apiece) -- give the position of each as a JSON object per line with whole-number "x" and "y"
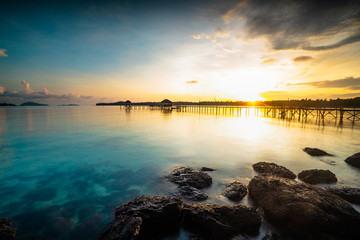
{"x": 191, "y": 193}
{"x": 349, "y": 194}
{"x": 145, "y": 218}
{"x": 206, "y": 169}
{"x": 303, "y": 211}
{"x": 315, "y": 152}
{"x": 189, "y": 177}
{"x": 235, "y": 191}
{"x": 220, "y": 221}
{"x": 354, "y": 160}
{"x": 317, "y": 176}
{"x": 270, "y": 236}
{"x": 123, "y": 227}
{"x": 7, "y": 230}
{"x": 273, "y": 169}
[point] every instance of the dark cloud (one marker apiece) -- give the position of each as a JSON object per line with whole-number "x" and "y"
{"x": 192, "y": 82}
{"x": 346, "y": 95}
{"x": 292, "y": 24}
{"x": 269, "y": 60}
{"x": 302, "y": 59}
{"x": 348, "y": 83}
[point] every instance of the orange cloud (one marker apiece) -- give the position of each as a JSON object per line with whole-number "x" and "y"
{"x": 192, "y": 82}
{"x": 269, "y": 60}
{"x": 3, "y": 52}
{"x": 302, "y": 59}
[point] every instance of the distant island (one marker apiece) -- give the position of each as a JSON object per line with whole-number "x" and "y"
{"x": 7, "y": 104}
{"x": 33, "y": 104}
{"x": 69, "y": 105}
{"x": 348, "y": 103}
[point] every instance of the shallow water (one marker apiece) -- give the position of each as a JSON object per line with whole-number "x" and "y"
{"x": 63, "y": 170}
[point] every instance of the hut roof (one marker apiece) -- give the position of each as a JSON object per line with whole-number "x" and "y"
{"x": 128, "y": 101}
{"x": 166, "y": 101}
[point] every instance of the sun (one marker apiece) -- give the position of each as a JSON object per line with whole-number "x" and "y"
{"x": 247, "y": 84}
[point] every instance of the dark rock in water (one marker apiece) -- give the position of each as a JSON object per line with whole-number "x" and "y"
{"x": 354, "y": 160}
{"x": 273, "y": 169}
{"x": 303, "y": 211}
{"x": 7, "y": 230}
{"x": 315, "y": 152}
{"x": 317, "y": 176}
{"x": 206, "y": 169}
{"x": 220, "y": 221}
{"x": 123, "y": 227}
{"x": 145, "y": 217}
{"x": 187, "y": 176}
{"x": 349, "y": 194}
{"x": 191, "y": 193}
{"x": 235, "y": 191}
{"x": 270, "y": 236}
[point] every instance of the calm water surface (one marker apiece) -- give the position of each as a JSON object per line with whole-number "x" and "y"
{"x": 63, "y": 170}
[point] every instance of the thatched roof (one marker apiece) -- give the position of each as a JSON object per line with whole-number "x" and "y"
{"x": 166, "y": 101}
{"x": 128, "y": 101}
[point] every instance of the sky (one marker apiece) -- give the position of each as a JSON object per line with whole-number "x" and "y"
{"x": 85, "y": 52}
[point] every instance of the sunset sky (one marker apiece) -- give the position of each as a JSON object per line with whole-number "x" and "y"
{"x": 102, "y": 51}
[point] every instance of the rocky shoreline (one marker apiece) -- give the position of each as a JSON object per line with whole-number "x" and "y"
{"x": 294, "y": 209}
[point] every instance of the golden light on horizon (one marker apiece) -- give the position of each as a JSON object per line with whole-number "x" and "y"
{"x": 247, "y": 84}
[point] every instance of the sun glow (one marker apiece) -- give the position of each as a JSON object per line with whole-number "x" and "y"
{"x": 247, "y": 84}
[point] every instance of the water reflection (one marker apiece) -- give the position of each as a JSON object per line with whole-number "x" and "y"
{"x": 70, "y": 175}
{"x": 29, "y": 119}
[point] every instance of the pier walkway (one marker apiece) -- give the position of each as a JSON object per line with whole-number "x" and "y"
{"x": 298, "y": 113}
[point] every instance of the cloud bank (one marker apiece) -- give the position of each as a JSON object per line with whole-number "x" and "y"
{"x": 348, "y": 83}
{"x": 293, "y": 24}
{"x": 28, "y": 94}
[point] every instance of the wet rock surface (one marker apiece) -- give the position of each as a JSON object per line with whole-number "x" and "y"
{"x": 303, "y": 211}
{"x": 192, "y": 194}
{"x": 220, "y": 221}
{"x": 315, "y": 152}
{"x": 235, "y": 191}
{"x": 354, "y": 160}
{"x": 270, "y": 236}
{"x": 207, "y": 169}
{"x": 156, "y": 217}
{"x": 145, "y": 218}
{"x": 187, "y": 176}
{"x": 123, "y": 227}
{"x": 273, "y": 169}
{"x": 7, "y": 230}
{"x": 349, "y": 194}
{"x": 317, "y": 176}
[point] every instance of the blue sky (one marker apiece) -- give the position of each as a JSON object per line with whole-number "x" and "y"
{"x": 183, "y": 50}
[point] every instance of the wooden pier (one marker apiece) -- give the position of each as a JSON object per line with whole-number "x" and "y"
{"x": 288, "y": 113}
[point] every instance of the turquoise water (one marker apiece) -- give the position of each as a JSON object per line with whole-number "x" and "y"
{"x": 63, "y": 170}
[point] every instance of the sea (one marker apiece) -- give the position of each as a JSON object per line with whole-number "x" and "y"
{"x": 64, "y": 169}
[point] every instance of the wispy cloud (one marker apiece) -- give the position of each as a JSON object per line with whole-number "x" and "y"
{"x": 348, "y": 83}
{"x": 292, "y": 24}
{"x": 192, "y": 82}
{"x": 269, "y": 60}
{"x": 3, "y": 52}
{"x": 302, "y": 59}
{"x": 218, "y": 34}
